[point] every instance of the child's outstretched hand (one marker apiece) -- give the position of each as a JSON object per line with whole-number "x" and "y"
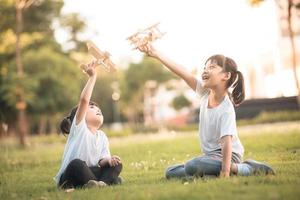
{"x": 148, "y": 49}
{"x": 90, "y": 68}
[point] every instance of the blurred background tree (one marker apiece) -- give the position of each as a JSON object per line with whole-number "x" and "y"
{"x": 180, "y": 102}
{"x": 35, "y": 72}
{"x": 133, "y": 85}
{"x": 74, "y": 25}
{"x": 102, "y": 95}
{"x": 58, "y": 85}
{"x": 23, "y": 32}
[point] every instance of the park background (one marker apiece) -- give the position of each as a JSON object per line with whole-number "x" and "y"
{"x": 151, "y": 116}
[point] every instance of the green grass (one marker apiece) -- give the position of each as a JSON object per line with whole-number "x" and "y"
{"x": 27, "y": 173}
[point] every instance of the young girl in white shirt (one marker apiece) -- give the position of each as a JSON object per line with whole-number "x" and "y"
{"x": 86, "y": 160}
{"x": 220, "y": 144}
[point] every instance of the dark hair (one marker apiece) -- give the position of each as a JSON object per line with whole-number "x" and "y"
{"x": 236, "y": 80}
{"x": 65, "y": 124}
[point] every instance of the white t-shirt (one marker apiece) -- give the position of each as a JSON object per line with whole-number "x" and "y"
{"x": 214, "y": 123}
{"x": 84, "y": 145}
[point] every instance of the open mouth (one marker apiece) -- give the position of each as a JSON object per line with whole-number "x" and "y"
{"x": 205, "y": 77}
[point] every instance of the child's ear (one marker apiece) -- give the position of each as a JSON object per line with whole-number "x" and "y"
{"x": 227, "y": 76}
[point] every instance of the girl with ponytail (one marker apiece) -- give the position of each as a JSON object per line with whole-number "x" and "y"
{"x": 220, "y": 88}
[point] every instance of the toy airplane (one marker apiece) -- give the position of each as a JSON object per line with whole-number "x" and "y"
{"x": 145, "y": 36}
{"x": 101, "y": 57}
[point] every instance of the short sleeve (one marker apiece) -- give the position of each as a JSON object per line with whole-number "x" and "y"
{"x": 200, "y": 90}
{"x": 105, "y": 152}
{"x": 228, "y": 124}
{"x": 79, "y": 128}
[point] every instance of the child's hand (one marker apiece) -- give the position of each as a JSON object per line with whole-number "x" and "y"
{"x": 90, "y": 68}
{"x": 148, "y": 49}
{"x": 114, "y": 161}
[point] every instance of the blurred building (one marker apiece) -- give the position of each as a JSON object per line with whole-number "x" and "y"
{"x": 271, "y": 74}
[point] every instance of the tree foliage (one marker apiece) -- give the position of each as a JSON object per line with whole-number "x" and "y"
{"x": 138, "y": 74}
{"x": 57, "y": 77}
{"x": 133, "y": 85}
{"x": 74, "y": 25}
{"x": 51, "y": 81}
{"x": 180, "y": 102}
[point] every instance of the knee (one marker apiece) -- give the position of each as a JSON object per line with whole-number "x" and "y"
{"x": 168, "y": 173}
{"x": 118, "y": 168}
{"x": 192, "y": 169}
{"x": 76, "y": 163}
{"x": 175, "y": 171}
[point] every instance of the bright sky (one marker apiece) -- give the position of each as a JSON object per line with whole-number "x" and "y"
{"x": 196, "y": 29}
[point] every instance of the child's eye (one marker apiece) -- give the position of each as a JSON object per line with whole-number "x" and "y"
{"x": 212, "y": 66}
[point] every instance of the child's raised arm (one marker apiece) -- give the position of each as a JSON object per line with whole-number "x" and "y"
{"x": 189, "y": 78}
{"x": 87, "y": 91}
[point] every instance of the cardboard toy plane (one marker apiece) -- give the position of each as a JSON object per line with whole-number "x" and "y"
{"x": 102, "y": 58}
{"x": 145, "y": 36}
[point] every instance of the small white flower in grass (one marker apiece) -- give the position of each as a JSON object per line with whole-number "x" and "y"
{"x": 186, "y": 183}
{"x": 69, "y": 190}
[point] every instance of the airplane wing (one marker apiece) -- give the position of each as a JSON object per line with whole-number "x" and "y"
{"x": 110, "y": 65}
{"x": 95, "y": 51}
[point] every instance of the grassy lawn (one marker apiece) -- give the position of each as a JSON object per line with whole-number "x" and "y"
{"x": 27, "y": 173}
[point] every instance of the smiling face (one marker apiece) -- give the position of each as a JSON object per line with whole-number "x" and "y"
{"x": 94, "y": 116}
{"x": 213, "y": 75}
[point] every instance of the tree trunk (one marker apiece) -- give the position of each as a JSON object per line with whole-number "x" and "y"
{"x": 11, "y": 129}
{"x": 2, "y": 130}
{"x": 42, "y": 125}
{"x": 53, "y": 124}
{"x": 22, "y": 126}
{"x": 293, "y": 48}
{"x": 21, "y": 104}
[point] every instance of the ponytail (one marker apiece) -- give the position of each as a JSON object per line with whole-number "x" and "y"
{"x": 238, "y": 92}
{"x": 65, "y": 124}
